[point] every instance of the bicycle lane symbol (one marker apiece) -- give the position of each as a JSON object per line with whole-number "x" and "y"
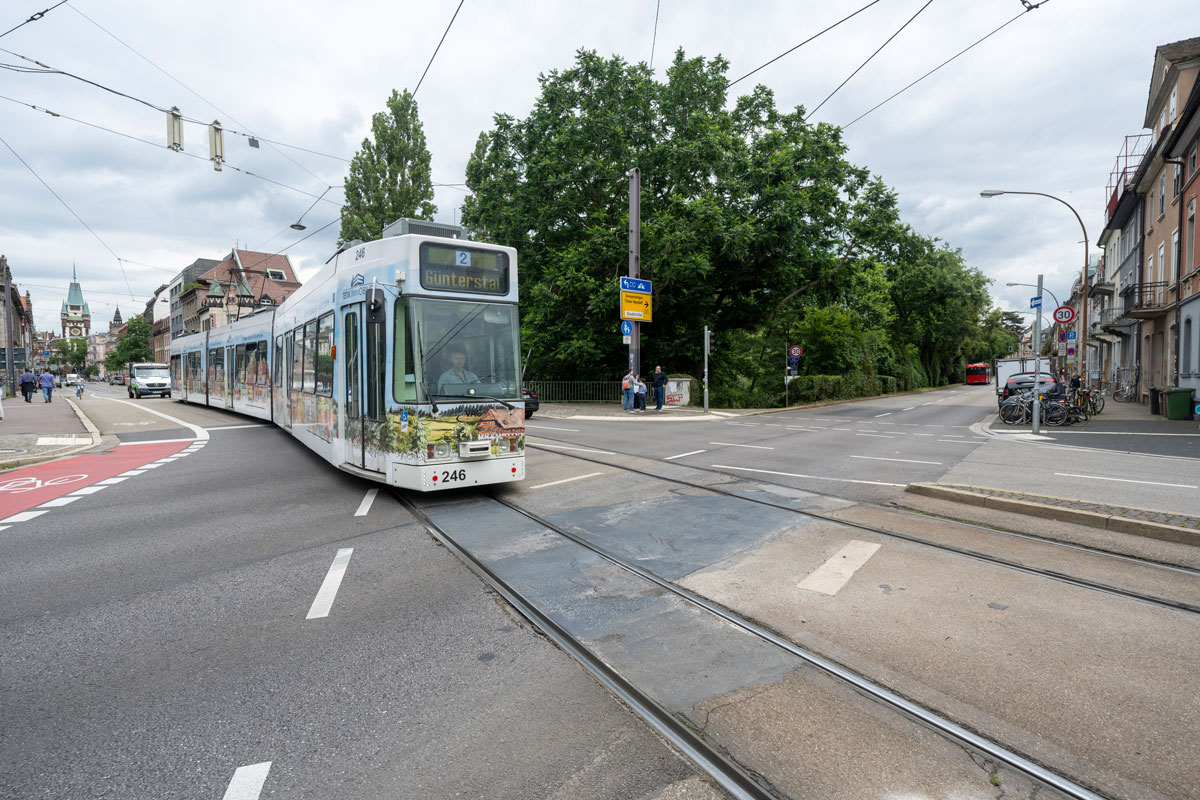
{"x": 23, "y": 489}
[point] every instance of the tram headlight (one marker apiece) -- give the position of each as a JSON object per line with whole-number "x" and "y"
{"x": 441, "y": 450}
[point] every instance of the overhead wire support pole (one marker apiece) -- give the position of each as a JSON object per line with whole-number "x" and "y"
{"x": 635, "y": 261}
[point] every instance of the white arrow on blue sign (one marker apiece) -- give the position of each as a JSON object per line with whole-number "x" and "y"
{"x": 626, "y": 328}
{"x": 1035, "y": 302}
{"x": 636, "y": 285}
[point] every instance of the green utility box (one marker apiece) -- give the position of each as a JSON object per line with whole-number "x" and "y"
{"x": 1179, "y": 403}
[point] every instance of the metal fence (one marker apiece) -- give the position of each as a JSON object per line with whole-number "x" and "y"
{"x": 576, "y": 391}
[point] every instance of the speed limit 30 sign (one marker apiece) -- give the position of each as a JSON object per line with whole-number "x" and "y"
{"x": 1064, "y": 314}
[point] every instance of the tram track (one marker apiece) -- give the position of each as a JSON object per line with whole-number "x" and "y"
{"x": 1163, "y": 602}
{"x": 737, "y": 779}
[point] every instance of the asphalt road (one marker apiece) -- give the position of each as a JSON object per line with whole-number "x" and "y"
{"x": 158, "y": 639}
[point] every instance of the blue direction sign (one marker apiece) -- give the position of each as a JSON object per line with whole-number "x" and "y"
{"x": 627, "y": 328}
{"x": 1071, "y": 334}
{"x": 636, "y": 285}
{"x": 1035, "y": 302}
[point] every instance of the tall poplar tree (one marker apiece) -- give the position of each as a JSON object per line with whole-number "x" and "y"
{"x": 390, "y": 176}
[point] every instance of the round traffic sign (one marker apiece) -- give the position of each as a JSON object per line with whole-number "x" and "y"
{"x": 1064, "y": 314}
{"x": 795, "y": 351}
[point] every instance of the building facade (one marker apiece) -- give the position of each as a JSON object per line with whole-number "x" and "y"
{"x": 75, "y": 316}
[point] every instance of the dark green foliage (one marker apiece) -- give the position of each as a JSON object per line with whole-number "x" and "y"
{"x": 133, "y": 346}
{"x": 753, "y": 222}
{"x": 390, "y": 176}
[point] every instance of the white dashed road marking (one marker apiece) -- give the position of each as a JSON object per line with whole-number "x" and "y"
{"x": 752, "y": 446}
{"x": 681, "y": 455}
{"x": 837, "y": 571}
{"x": 365, "y": 505}
{"x": 905, "y": 460}
{"x": 247, "y": 782}
{"x": 809, "y": 477}
{"x": 568, "y": 480}
{"x": 329, "y": 588}
{"x": 1126, "y": 480}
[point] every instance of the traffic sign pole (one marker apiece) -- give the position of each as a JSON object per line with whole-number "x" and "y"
{"x": 635, "y": 257}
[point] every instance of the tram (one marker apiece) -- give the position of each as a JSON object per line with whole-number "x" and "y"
{"x": 980, "y": 372}
{"x": 399, "y": 361}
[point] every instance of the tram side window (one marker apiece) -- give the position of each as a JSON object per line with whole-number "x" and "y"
{"x": 324, "y": 365}
{"x": 298, "y": 359}
{"x": 241, "y": 365}
{"x": 175, "y": 376}
{"x": 260, "y": 366}
{"x": 404, "y": 371}
{"x": 310, "y": 357}
{"x": 279, "y": 360}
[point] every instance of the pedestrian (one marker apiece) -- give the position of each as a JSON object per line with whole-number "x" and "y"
{"x": 660, "y": 387}
{"x": 28, "y": 384}
{"x": 639, "y": 394}
{"x": 47, "y": 384}
{"x": 627, "y": 387}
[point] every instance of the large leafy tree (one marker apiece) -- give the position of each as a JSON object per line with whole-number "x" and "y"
{"x": 390, "y": 177}
{"x": 71, "y": 354}
{"x": 133, "y": 345}
{"x": 746, "y": 211}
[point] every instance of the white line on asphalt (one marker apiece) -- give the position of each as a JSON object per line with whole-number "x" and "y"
{"x": 329, "y": 588}
{"x": 87, "y": 490}
{"x": 809, "y": 477}
{"x": 798, "y": 428}
{"x": 951, "y": 435}
{"x": 935, "y": 426}
{"x": 911, "y": 424}
{"x": 847, "y": 430}
{"x": 957, "y": 441}
{"x": 238, "y": 427}
{"x": 548, "y": 428}
{"x": 58, "y": 501}
{"x": 109, "y": 482}
{"x": 247, "y": 782}
{"x": 201, "y": 434}
{"x": 578, "y": 449}
{"x": 155, "y": 441}
{"x": 1126, "y": 480}
{"x": 365, "y": 505}
{"x": 568, "y": 480}
{"x": 905, "y": 460}
{"x": 876, "y": 435}
{"x": 910, "y": 408}
{"x": 132, "y": 472}
{"x": 753, "y": 446}
{"x": 723, "y": 413}
{"x": 885, "y": 414}
{"x": 837, "y": 571}
{"x": 924, "y": 434}
{"x": 24, "y": 516}
{"x": 682, "y": 455}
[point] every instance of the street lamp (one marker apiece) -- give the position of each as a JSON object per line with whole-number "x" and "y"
{"x": 1083, "y": 308}
{"x": 1044, "y": 289}
{"x": 298, "y": 225}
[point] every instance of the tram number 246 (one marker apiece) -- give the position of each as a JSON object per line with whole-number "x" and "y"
{"x": 452, "y": 475}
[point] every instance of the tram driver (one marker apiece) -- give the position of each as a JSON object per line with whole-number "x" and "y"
{"x": 457, "y": 374}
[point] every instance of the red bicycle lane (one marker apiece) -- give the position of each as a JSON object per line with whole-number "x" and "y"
{"x": 22, "y": 490}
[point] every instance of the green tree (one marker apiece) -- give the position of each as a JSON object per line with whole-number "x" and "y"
{"x": 71, "y": 354}
{"x": 390, "y": 177}
{"x": 133, "y": 346}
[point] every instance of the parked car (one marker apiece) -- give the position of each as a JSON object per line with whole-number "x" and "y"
{"x": 116, "y": 379}
{"x": 72, "y": 378}
{"x": 531, "y": 402}
{"x": 1024, "y": 380}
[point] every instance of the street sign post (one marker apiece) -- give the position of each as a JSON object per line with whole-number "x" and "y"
{"x": 1035, "y": 302}
{"x": 635, "y": 305}
{"x": 626, "y": 328}
{"x": 795, "y": 351}
{"x": 1064, "y": 315}
{"x": 640, "y": 285}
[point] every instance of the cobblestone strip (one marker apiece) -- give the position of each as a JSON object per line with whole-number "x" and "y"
{"x": 1123, "y": 512}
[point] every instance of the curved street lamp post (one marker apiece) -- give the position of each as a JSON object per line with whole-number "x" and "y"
{"x": 1083, "y": 308}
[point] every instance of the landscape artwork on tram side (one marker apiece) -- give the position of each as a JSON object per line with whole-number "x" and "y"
{"x": 410, "y": 434}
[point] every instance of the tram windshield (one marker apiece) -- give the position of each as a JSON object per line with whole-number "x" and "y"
{"x": 464, "y": 350}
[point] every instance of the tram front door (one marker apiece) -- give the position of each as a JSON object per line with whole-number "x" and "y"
{"x": 354, "y": 432}
{"x": 364, "y": 342}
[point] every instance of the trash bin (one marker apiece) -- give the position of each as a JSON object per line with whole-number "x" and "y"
{"x": 1155, "y": 405}
{"x": 1179, "y": 403}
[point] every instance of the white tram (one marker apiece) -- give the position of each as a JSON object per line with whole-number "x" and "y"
{"x": 399, "y": 361}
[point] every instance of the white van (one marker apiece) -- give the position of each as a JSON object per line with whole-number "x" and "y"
{"x": 149, "y": 379}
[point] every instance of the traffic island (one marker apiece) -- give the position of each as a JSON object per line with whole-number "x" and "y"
{"x": 1162, "y": 525}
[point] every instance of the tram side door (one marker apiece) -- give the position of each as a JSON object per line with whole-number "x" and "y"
{"x": 229, "y": 373}
{"x": 354, "y": 426}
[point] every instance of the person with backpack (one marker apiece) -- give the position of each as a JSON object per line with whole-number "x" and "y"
{"x": 627, "y": 387}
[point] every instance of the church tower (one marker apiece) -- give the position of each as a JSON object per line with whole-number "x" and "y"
{"x": 76, "y": 318}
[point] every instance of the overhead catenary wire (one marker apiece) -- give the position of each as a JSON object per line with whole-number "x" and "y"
{"x": 1028, "y": 7}
{"x": 877, "y": 51}
{"x": 33, "y": 18}
{"x": 806, "y": 41}
{"x": 68, "y": 207}
{"x": 439, "y": 47}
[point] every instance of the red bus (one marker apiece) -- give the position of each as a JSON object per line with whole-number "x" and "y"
{"x": 979, "y": 373}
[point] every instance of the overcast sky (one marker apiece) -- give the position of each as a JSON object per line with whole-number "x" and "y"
{"x": 1041, "y": 106}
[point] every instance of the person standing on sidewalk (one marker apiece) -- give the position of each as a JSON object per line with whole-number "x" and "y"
{"x": 639, "y": 403}
{"x": 28, "y": 383}
{"x": 627, "y": 387}
{"x": 660, "y": 387}
{"x": 47, "y": 384}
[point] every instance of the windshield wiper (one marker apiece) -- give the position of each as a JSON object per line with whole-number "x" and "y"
{"x": 504, "y": 403}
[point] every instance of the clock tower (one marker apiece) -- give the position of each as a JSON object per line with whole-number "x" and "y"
{"x": 75, "y": 315}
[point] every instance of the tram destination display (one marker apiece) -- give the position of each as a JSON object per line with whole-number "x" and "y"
{"x": 451, "y": 268}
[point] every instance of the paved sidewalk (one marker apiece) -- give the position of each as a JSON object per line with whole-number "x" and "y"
{"x": 40, "y": 431}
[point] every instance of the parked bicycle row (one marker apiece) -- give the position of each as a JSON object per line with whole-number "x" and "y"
{"x": 1073, "y": 408}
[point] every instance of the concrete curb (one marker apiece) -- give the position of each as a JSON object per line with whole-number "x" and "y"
{"x": 55, "y": 455}
{"x": 970, "y": 495}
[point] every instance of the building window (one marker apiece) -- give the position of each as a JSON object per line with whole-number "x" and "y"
{"x": 276, "y": 275}
{"x": 1162, "y": 261}
{"x": 1177, "y": 182}
{"x": 1162, "y": 194}
{"x": 1174, "y": 255}
{"x": 1192, "y": 161}
{"x": 1189, "y": 263}
{"x": 1173, "y": 93}
{"x": 1186, "y": 360}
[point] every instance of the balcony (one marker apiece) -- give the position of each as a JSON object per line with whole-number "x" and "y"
{"x": 1147, "y": 300}
{"x": 1102, "y": 287}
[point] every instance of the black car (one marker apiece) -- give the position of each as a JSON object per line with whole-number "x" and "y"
{"x": 531, "y": 402}
{"x": 1024, "y": 380}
